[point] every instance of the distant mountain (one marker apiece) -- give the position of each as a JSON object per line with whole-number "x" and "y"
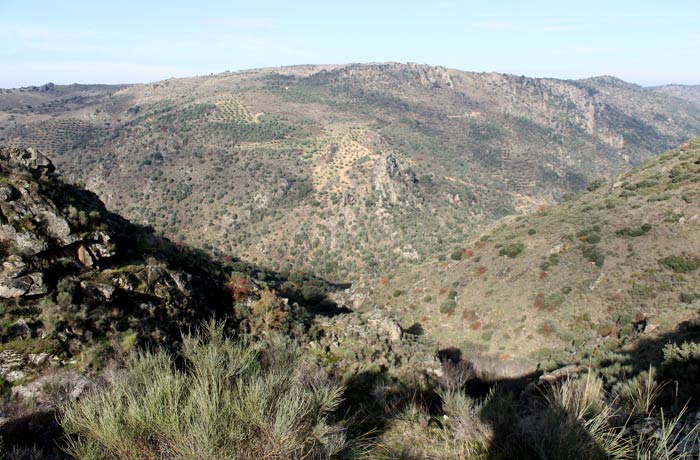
{"x": 688, "y": 92}
{"x": 615, "y": 263}
{"x": 341, "y": 170}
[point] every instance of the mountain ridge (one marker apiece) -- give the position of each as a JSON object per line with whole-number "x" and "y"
{"x": 304, "y": 144}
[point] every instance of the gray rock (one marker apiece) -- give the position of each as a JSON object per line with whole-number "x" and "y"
{"x": 30, "y": 158}
{"x": 57, "y": 227}
{"x": 20, "y": 329}
{"x": 37, "y": 359}
{"x": 27, "y": 285}
{"x": 7, "y": 193}
{"x": 11, "y": 365}
{"x": 68, "y": 384}
{"x": 26, "y": 242}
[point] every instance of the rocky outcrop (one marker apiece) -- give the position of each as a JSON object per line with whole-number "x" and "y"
{"x": 78, "y": 272}
{"x": 32, "y": 159}
{"x": 394, "y": 183}
{"x": 432, "y": 76}
{"x": 357, "y": 341}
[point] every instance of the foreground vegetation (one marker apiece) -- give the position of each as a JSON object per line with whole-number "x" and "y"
{"x": 222, "y": 399}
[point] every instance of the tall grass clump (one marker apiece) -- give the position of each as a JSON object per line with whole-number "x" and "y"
{"x": 574, "y": 424}
{"x": 640, "y": 393}
{"x": 668, "y": 442}
{"x": 225, "y": 400}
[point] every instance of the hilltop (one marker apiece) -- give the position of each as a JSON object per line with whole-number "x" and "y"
{"x": 608, "y": 266}
{"x": 341, "y": 170}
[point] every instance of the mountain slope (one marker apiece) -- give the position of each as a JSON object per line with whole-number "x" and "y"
{"x": 341, "y": 170}
{"x": 690, "y": 93}
{"x": 586, "y": 274}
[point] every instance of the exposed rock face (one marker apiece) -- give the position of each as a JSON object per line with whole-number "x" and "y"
{"x": 32, "y": 159}
{"x": 23, "y": 286}
{"x": 79, "y": 267}
{"x": 432, "y": 76}
{"x": 394, "y": 183}
{"x": 358, "y": 339}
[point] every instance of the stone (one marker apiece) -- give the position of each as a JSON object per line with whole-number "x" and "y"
{"x": 27, "y": 285}
{"x": 20, "y": 329}
{"x": 7, "y": 193}
{"x": 11, "y": 364}
{"x": 37, "y": 359}
{"x": 56, "y": 226}
{"x": 30, "y": 158}
{"x": 84, "y": 256}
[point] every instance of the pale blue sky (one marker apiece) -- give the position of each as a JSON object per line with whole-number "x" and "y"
{"x": 643, "y": 41}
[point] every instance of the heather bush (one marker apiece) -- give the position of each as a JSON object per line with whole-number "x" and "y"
{"x": 225, "y": 401}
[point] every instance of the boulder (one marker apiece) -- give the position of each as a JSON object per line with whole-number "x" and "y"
{"x": 23, "y": 286}
{"x": 30, "y": 158}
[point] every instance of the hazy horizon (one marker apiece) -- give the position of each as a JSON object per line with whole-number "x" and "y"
{"x": 643, "y": 42}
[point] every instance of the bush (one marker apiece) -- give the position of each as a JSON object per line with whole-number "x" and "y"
{"x": 680, "y": 264}
{"x": 595, "y": 184}
{"x": 686, "y": 297}
{"x": 226, "y": 399}
{"x": 593, "y": 254}
{"x": 635, "y": 232}
{"x": 593, "y": 238}
{"x": 448, "y": 306}
{"x": 512, "y": 250}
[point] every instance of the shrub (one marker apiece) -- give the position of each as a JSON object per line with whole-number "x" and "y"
{"x": 448, "y": 306}
{"x": 635, "y": 232}
{"x": 512, "y": 250}
{"x": 689, "y": 297}
{"x": 225, "y": 399}
{"x": 595, "y": 184}
{"x": 680, "y": 264}
{"x": 593, "y": 254}
{"x": 593, "y": 238}
{"x": 640, "y": 393}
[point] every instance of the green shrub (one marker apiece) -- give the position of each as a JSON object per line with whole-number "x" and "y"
{"x": 635, "y": 232}
{"x": 5, "y": 388}
{"x": 593, "y": 254}
{"x": 593, "y": 238}
{"x": 595, "y": 184}
{"x": 680, "y": 264}
{"x": 226, "y": 399}
{"x": 448, "y": 306}
{"x": 691, "y": 297}
{"x": 512, "y": 250}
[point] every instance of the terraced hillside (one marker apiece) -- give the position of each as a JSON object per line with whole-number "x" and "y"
{"x": 588, "y": 274}
{"x": 341, "y": 170}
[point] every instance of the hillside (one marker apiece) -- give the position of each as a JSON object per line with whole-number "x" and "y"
{"x": 690, "y": 93}
{"x": 82, "y": 290}
{"x": 341, "y": 170}
{"x": 599, "y": 270}
{"x": 81, "y": 286}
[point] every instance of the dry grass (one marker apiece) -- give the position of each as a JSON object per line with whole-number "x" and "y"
{"x": 229, "y": 402}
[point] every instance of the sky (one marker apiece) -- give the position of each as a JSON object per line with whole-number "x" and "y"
{"x": 126, "y": 41}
